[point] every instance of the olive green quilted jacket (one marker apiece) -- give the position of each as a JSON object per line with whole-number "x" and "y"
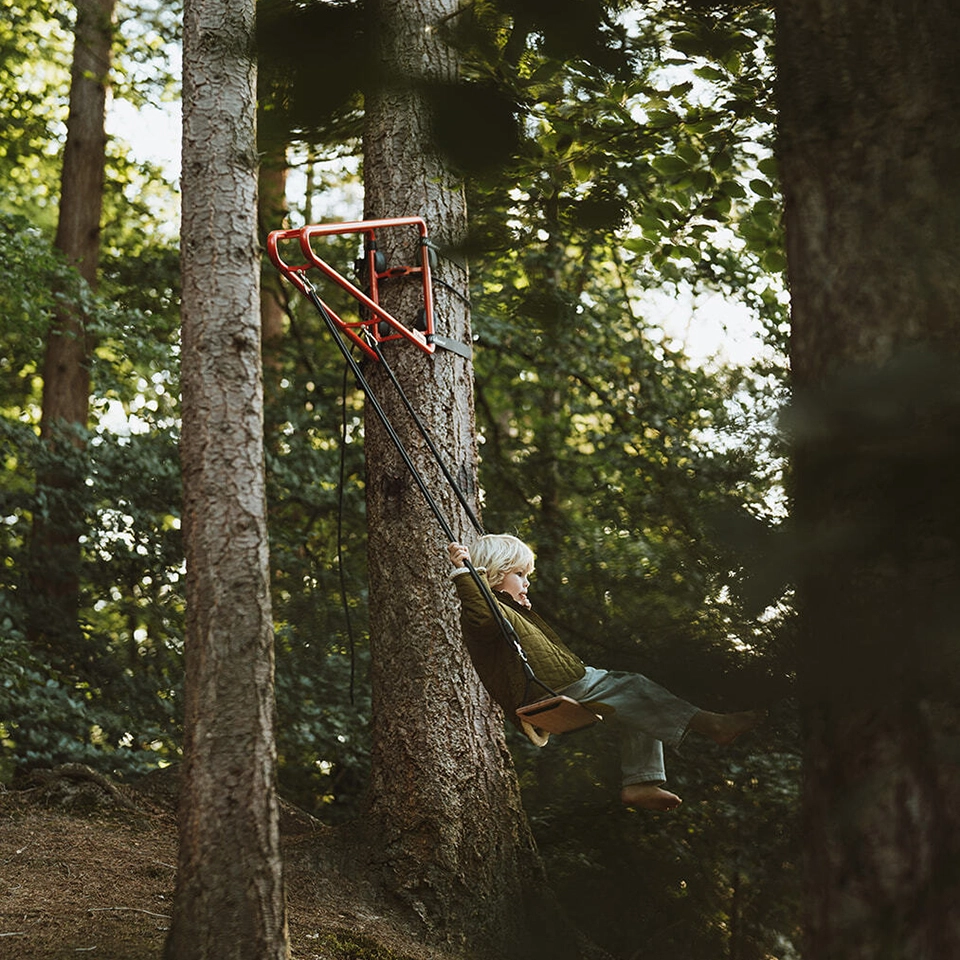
{"x": 495, "y": 658}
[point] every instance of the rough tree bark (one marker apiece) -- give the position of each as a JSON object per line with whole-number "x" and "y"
{"x": 869, "y": 151}
{"x": 55, "y": 547}
{"x": 444, "y": 828}
{"x": 229, "y": 894}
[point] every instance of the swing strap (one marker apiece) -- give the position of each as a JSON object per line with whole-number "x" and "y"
{"x": 428, "y": 439}
{"x": 553, "y": 713}
{"x": 504, "y": 625}
{"x": 554, "y": 709}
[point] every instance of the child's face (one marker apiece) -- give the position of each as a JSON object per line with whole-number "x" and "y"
{"x": 516, "y": 585}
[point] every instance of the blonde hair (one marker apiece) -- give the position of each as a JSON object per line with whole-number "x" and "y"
{"x": 500, "y": 554}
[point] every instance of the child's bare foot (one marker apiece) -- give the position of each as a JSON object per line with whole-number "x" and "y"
{"x": 649, "y": 796}
{"x": 724, "y": 728}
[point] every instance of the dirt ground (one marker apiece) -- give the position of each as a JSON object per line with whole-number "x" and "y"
{"x": 87, "y": 869}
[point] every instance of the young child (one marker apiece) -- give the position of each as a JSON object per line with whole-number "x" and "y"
{"x": 648, "y": 715}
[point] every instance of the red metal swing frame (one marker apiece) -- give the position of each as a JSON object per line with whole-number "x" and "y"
{"x": 371, "y": 329}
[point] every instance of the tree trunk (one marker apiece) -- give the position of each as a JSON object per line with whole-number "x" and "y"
{"x": 273, "y": 211}
{"x": 55, "y": 546}
{"x": 229, "y": 896}
{"x": 444, "y": 817}
{"x": 869, "y": 153}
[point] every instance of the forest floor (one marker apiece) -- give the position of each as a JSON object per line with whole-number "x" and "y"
{"x": 87, "y": 868}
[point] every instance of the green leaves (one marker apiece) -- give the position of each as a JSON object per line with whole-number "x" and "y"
{"x": 670, "y": 165}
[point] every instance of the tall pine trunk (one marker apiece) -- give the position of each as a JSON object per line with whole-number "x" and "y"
{"x": 444, "y": 818}
{"x": 55, "y": 544}
{"x": 869, "y": 153}
{"x": 229, "y": 895}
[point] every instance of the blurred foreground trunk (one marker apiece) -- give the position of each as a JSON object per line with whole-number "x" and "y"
{"x": 869, "y": 153}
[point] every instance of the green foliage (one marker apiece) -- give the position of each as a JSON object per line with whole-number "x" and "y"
{"x": 106, "y": 695}
{"x": 32, "y": 271}
{"x": 34, "y": 80}
{"x": 323, "y": 736}
{"x": 52, "y": 719}
{"x": 148, "y": 37}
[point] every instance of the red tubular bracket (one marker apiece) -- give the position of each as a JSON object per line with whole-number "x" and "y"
{"x": 379, "y": 325}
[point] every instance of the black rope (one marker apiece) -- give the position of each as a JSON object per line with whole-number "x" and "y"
{"x": 506, "y": 628}
{"x": 452, "y": 289}
{"x": 381, "y": 415}
{"x": 421, "y": 427}
{"x": 340, "y": 568}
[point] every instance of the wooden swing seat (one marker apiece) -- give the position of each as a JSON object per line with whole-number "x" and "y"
{"x": 558, "y": 714}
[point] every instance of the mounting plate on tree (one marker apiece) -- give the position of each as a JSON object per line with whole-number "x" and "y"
{"x": 375, "y": 325}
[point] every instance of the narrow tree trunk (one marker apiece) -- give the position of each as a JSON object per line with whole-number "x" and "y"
{"x": 229, "y": 896}
{"x": 55, "y": 546}
{"x": 273, "y": 214}
{"x": 445, "y": 815}
{"x": 869, "y": 156}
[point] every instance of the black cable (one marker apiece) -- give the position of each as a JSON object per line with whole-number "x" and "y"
{"x": 340, "y": 569}
{"x": 381, "y": 414}
{"x": 461, "y": 496}
{"x": 506, "y": 628}
{"x": 452, "y": 289}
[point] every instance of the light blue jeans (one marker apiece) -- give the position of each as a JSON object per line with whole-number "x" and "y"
{"x": 648, "y": 716}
